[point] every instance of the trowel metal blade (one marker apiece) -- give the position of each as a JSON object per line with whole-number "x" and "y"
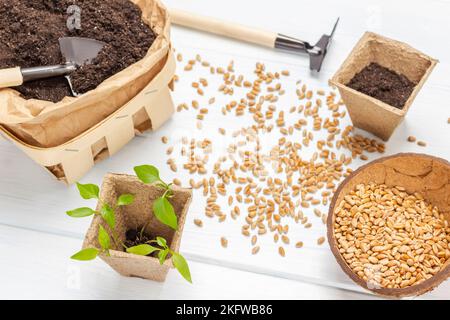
{"x": 80, "y": 50}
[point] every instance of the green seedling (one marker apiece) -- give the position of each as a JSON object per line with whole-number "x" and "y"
{"x": 162, "y": 209}
{"x": 163, "y": 251}
{"x": 107, "y": 212}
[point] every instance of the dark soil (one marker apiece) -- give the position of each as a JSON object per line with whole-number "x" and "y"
{"x": 134, "y": 238}
{"x": 383, "y": 84}
{"x": 30, "y": 29}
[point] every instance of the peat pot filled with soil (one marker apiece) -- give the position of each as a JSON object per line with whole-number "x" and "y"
{"x": 137, "y": 224}
{"x": 43, "y": 113}
{"x": 379, "y": 81}
{"x": 389, "y": 224}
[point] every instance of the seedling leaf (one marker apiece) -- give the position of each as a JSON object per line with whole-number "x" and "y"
{"x": 85, "y": 254}
{"x": 125, "y": 199}
{"x": 108, "y": 215}
{"x": 103, "y": 238}
{"x": 147, "y": 173}
{"x": 162, "y": 255}
{"x": 181, "y": 265}
{"x": 161, "y": 241}
{"x": 80, "y": 212}
{"x": 142, "y": 249}
{"x": 165, "y": 213}
{"x": 88, "y": 191}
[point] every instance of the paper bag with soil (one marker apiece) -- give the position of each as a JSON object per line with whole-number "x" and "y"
{"x": 47, "y": 124}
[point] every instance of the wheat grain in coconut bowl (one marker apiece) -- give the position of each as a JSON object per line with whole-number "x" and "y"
{"x": 389, "y": 225}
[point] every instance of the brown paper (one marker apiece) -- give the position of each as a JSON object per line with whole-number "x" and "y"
{"x": 371, "y": 114}
{"x": 47, "y": 124}
{"x": 136, "y": 215}
{"x": 149, "y": 109}
{"x": 427, "y": 175}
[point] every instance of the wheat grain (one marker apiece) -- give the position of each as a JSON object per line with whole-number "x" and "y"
{"x": 412, "y": 242}
{"x": 224, "y": 242}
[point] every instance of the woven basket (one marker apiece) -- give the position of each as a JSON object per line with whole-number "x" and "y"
{"x": 121, "y": 111}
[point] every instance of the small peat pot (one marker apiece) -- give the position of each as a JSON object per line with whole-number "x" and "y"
{"x": 133, "y": 217}
{"x": 402, "y": 61}
{"x": 388, "y": 225}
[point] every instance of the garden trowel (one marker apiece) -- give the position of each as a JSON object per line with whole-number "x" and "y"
{"x": 269, "y": 39}
{"x": 76, "y": 52}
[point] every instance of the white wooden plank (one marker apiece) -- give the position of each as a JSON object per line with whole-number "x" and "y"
{"x": 30, "y": 199}
{"x": 36, "y": 265}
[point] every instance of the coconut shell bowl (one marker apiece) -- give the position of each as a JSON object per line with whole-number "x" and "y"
{"x": 420, "y": 174}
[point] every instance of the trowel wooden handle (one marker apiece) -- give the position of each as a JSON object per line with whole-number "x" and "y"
{"x": 228, "y": 29}
{"x": 10, "y": 77}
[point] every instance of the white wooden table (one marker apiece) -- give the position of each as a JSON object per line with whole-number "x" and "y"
{"x": 37, "y": 238}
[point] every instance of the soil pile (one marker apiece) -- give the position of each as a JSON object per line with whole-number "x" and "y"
{"x": 383, "y": 84}
{"x": 30, "y": 29}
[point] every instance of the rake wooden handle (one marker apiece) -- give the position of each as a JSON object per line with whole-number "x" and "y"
{"x": 228, "y": 29}
{"x": 10, "y": 77}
